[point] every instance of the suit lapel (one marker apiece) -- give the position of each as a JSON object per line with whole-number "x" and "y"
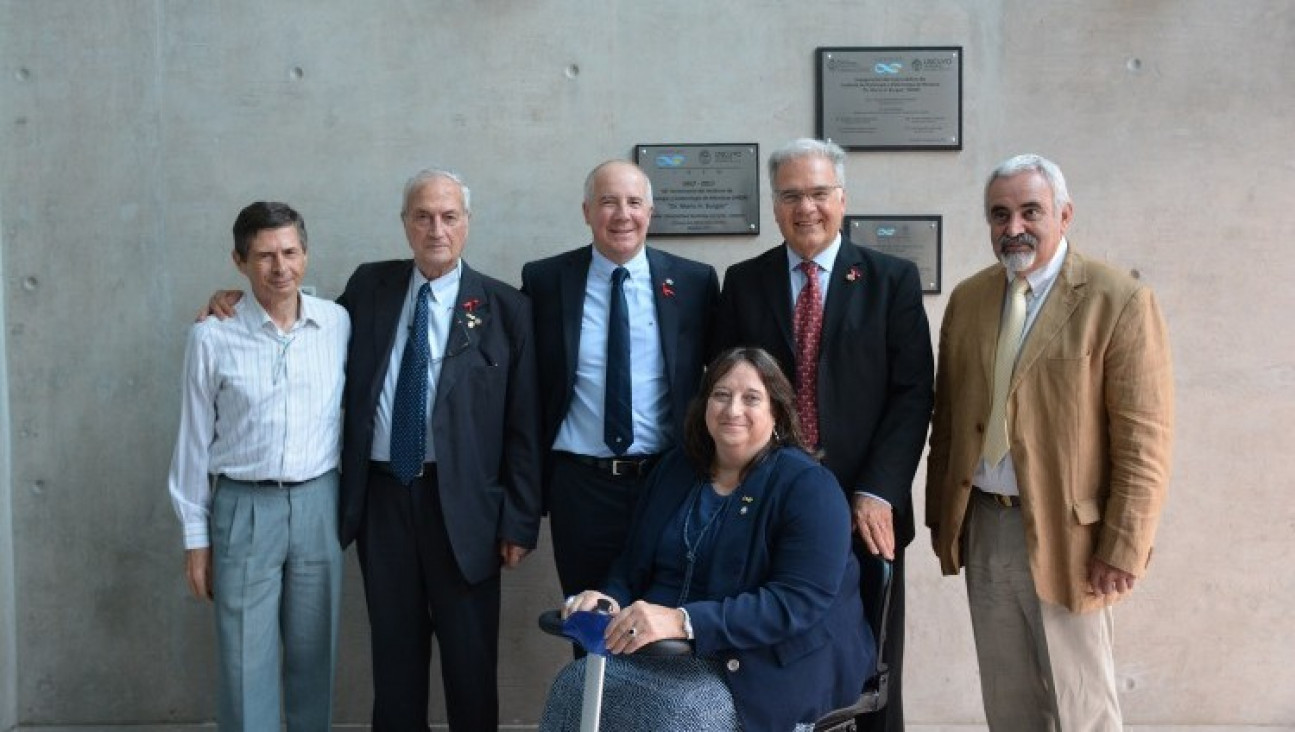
{"x": 848, "y": 278}
{"x": 572, "y": 280}
{"x": 471, "y": 316}
{"x": 1066, "y": 295}
{"x": 667, "y": 311}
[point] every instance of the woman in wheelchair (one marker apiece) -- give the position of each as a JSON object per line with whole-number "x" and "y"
{"x": 741, "y": 544}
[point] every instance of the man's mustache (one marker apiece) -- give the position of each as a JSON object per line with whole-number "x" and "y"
{"x": 1027, "y": 239}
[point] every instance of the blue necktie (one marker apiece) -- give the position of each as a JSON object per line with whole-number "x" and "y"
{"x": 618, "y": 419}
{"x": 409, "y": 413}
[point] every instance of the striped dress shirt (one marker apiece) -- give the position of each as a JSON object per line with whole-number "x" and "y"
{"x": 257, "y": 404}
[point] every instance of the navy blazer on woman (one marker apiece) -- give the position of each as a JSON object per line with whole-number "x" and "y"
{"x": 785, "y": 620}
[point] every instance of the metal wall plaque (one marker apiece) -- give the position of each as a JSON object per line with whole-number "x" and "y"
{"x": 915, "y": 238}
{"x": 702, "y": 189}
{"x": 890, "y": 98}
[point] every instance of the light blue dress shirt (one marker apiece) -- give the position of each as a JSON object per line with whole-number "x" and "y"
{"x": 582, "y": 430}
{"x": 440, "y": 316}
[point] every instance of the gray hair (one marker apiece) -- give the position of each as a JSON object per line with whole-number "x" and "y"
{"x": 428, "y": 175}
{"x": 803, "y": 148}
{"x": 589, "y": 179}
{"x": 1031, "y": 163}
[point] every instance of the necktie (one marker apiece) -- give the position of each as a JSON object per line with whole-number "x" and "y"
{"x": 409, "y": 412}
{"x": 808, "y": 333}
{"x": 618, "y": 419}
{"x": 1009, "y": 344}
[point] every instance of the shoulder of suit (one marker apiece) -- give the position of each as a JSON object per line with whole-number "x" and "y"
{"x": 775, "y": 257}
{"x": 1102, "y": 277}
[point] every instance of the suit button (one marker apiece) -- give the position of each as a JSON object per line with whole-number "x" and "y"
{"x": 733, "y": 665}
{"x": 980, "y": 428}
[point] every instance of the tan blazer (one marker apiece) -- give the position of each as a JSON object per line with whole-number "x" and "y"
{"x": 1090, "y": 415}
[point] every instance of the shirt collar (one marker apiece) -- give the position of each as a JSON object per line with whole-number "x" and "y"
{"x": 1041, "y": 279}
{"x": 249, "y": 310}
{"x": 824, "y": 260}
{"x": 443, "y": 288}
{"x": 602, "y": 267}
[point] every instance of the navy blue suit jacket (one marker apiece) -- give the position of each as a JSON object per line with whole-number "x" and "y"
{"x": 876, "y": 370}
{"x": 686, "y": 294}
{"x": 785, "y": 620}
{"x": 484, "y": 419}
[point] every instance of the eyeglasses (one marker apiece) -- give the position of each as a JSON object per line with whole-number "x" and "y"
{"x": 793, "y": 196}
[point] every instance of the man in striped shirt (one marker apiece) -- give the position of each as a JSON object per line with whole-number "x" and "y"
{"x": 254, "y": 480}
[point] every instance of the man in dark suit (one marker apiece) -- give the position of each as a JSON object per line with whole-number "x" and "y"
{"x": 848, "y": 328}
{"x": 440, "y": 459}
{"x": 593, "y": 473}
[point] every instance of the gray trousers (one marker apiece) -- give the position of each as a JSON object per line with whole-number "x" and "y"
{"x": 277, "y": 580}
{"x": 1042, "y": 667}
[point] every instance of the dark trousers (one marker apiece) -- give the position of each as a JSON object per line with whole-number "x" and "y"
{"x": 891, "y": 717}
{"x": 415, "y": 590}
{"x": 589, "y": 515}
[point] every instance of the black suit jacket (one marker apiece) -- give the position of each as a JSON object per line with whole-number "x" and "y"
{"x": 875, "y": 368}
{"x": 484, "y": 419}
{"x": 686, "y": 295}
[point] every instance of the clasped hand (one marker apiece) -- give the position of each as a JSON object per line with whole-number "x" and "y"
{"x": 633, "y": 627}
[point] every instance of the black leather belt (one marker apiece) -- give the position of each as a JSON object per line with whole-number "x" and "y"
{"x": 629, "y": 466}
{"x": 268, "y": 483}
{"x": 385, "y": 467}
{"x": 1003, "y": 500}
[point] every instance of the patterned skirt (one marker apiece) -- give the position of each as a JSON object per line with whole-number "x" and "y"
{"x": 646, "y": 694}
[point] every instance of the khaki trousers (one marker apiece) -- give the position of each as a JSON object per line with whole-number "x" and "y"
{"x": 1042, "y": 667}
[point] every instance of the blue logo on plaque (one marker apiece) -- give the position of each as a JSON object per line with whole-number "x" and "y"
{"x": 885, "y": 231}
{"x": 672, "y": 160}
{"x": 881, "y": 68}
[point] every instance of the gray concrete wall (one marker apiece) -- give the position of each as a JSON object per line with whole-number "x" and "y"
{"x": 133, "y": 131}
{"x": 8, "y": 629}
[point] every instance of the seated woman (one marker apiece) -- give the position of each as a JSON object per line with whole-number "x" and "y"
{"x": 741, "y": 543}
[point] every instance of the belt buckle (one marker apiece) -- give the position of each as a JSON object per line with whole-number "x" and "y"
{"x": 1004, "y": 500}
{"x": 623, "y": 467}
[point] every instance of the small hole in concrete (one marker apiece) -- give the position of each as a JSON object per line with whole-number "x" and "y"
{"x": 1134, "y": 65}
{"x": 30, "y": 284}
{"x": 572, "y": 71}
{"x": 296, "y": 73}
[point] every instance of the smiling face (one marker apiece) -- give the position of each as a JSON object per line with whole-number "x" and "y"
{"x": 809, "y": 204}
{"x": 274, "y": 266}
{"x": 618, "y": 209}
{"x": 436, "y": 226}
{"x": 1025, "y": 226}
{"x": 739, "y": 415}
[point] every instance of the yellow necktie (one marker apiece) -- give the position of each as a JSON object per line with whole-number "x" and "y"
{"x": 1009, "y": 344}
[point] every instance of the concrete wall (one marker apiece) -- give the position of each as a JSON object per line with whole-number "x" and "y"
{"x": 133, "y": 131}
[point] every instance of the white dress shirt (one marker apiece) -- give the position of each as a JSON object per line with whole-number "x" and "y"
{"x": 1001, "y": 478}
{"x": 582, "y": 430}
{"x": 257, "y": 404}
{"x": 443, "y": 295}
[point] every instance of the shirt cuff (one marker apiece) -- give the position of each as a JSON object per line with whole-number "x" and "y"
{"x": 197, "y": 536}
{"x": 874, "y": 496}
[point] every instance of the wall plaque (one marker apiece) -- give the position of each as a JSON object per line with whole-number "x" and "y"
{"x": 702, "y": 189}
{"x": 895, "y": 98}
{"x": 915, "y": 238}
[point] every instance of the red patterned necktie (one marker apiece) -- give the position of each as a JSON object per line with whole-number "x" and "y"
{"x": 808, "y": 332}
